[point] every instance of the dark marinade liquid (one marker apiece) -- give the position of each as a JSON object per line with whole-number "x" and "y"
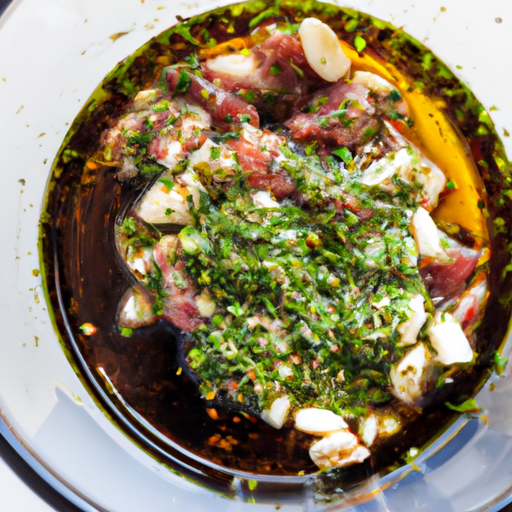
{"x": 82, "y": 269}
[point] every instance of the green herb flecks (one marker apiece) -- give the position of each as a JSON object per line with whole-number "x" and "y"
{"x": 467, "y": 407}
{"x": 276, "y": 69}
{"x": 344, "y": 154}
{"x": 500, "y": 363}
{"x": 359, "y": 43}
{"x": 168, "y": 183}
{"x": 184, "y": 82}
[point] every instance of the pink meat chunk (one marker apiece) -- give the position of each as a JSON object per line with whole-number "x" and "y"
{"x": 256, "y": 164}
{"x": 216, "y": 101}
{"x": 280, "y": 184}
{"x": 250, "y": 157}
{"x": 447, "y": 280}
{"x": 282, "y": 66}
{"x": 350, "y": 126}
{"x": 180, "y": 307}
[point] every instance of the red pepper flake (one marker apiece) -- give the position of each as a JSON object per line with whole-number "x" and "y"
{"x": 231, "y": 385}
{"x": 214, "y": 415}
{"x": 214, "y": 439}
{"x": 88, "y": 329}
{"x": 312, "y": 241}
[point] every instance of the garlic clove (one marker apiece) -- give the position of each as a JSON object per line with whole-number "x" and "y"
{"x": 323, "y": 50}
{"x": 449, "y": 340}
{"x": 337, "y": 450}
{"x": 410, "y": 375}
{"x": 278, "y": 412}
{"x": 426, "y": 234}
{"x": 410, "y": 329}
{"x": 318, "y": 421}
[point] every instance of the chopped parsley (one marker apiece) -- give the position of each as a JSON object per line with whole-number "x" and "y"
{"x": 161, "y": 106}
{"x": 244, "y": 118}
{"x": 276, "y": 69}
{"x": 293, "y": 292}
{"x": 184, "y": 82}
{"x": 215, "y": 153}
{"x": 168, "y": 183}
{"x": 469, "y": 406}
{"x": 344, "y": 154}
{"x": 359, "y": 43}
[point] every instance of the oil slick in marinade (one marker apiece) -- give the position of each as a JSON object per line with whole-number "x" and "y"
{"x": 287, "y": 233}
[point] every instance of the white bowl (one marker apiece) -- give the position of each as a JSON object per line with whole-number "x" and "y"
{"x": 54, "y": 53}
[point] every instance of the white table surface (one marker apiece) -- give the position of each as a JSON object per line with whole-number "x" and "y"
{"x": 23, "y": 490}
{"x": 16, "y": 495}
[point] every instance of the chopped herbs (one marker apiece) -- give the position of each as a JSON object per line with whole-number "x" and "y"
{"x": 161, "y": 106}
{"x": 467, "y": 407}
{"x": 128, "y": 227}
{"x": 359, "y": 43}
{"x": 344, "y": 154}
{"x": 394, "y": 95}
{"x": 192, "y": 60}
{"x": 500, "y": 363}
{"x": 310, "y": 150}
{"x": 184, "y": 82}
{"x": 294, "y": 293}
{"x": 168, "y": 183}
{"x": 226, "y": 136}
{"x": 276, "y": 69}
{"x": 215, "y": 153}
{"x": 351, "y": 25}
{"x": 140, "y": 138}
{"x": 150, "y": 169}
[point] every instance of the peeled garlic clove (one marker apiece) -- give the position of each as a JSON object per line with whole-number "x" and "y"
{"x": 135, "y": 311}
{"x": 263, "y": 199}
{"x": 322, "y": 49}
{"x": 426, "y": 234}
{"x": 411, "y": 374}
{"x": 449, "y": 340}
{"x": 235, "y": 64}
{"x": 410, "y": 329}
{"x": 318, "y": 421}
{"x": 369, "y": 429}
{"x": 276, "y": 415}
{"x": 373, "y": 82}
{"x": 337, "y": 450}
